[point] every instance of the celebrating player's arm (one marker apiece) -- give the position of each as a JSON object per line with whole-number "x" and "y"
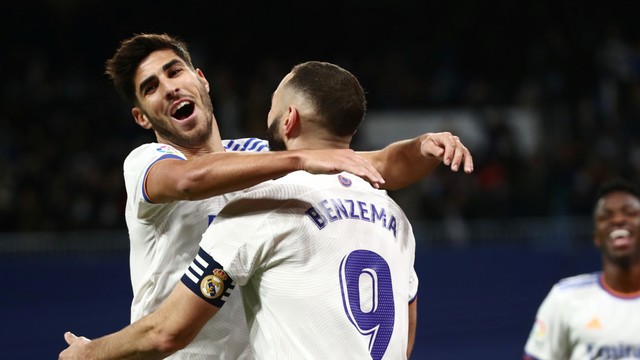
{"x": 405, "y": 162}
{"x": 161, "y": 333}
{"x": 398, "y": 165}
{"x": 413, "y": 322}
{"x": 223, "y": 172}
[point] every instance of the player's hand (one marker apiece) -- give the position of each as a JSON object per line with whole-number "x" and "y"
{"x": 333, "y": 161}
{"x": 447, "y": 148}
{"x": 76, "y": 346}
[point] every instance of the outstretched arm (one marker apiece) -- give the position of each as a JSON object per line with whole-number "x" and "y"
{"x": 168, "y": 329}
{"x": 405, "y": 162}
{"x": 223, "y": 172}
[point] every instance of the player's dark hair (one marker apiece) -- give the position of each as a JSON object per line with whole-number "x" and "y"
{"x": 337, "y": 95}
{"x": 121, "y": 68}
{"x": 615, "y": 185}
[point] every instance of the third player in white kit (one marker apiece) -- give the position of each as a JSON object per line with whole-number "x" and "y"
{"x": 582, "y": 318}
{"x": 595, "y": 316}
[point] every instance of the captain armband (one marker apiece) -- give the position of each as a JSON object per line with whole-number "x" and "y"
{"x": 207, "y": 279}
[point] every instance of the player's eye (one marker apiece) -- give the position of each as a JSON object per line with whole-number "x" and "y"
{"x": 147, "y": 90}
{"x": 175, "y": 71}
{"x": 603, "y": 216}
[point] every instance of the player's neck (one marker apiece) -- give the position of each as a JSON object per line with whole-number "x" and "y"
{"x": 317, "y": 144}
{"x": 208, "y": 147}
{"x": 624, "y": 280}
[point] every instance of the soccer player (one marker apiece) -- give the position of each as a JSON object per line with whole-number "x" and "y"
{"x": 595, "y": 316}
{"x": 177, "y": 185}
{"x": 325, "y": 261}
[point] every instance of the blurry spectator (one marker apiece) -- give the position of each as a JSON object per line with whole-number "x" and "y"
{"x": 63, "y": 134}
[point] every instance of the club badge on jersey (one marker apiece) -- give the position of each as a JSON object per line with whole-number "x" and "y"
{"x": 207, "y": 279}
{"x": 212, "y": 286}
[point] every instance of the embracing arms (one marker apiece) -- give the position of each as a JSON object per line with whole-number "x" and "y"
{"x": 398, "y": 165}
{"x": 168, "y": 329}
{"x": 404, "y": 162}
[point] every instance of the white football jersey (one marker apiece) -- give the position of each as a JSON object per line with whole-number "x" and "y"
{"x": 325, "y": 263}
{"x": 164, "y": 239}
{"x": 581, "y": 318}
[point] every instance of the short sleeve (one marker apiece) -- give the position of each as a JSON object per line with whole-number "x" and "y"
{"x": 548, "y": 336}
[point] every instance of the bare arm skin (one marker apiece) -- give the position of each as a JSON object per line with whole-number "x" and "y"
{"x": 168, "y": 329}
{"x": 405, "y": 162}
{"x": 398, "y": 165}
{"x": 219, "y": 173}
{"x": 413, "y": 321}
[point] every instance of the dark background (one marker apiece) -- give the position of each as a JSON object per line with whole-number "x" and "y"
{"x": 64, "y": 134}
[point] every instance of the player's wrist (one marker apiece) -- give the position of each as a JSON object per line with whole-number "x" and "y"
{"x": 422, "y": 139}
{"x": 294, "y": 160}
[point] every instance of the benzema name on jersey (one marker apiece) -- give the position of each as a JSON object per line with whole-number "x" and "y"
{"x": 339, "y": 209}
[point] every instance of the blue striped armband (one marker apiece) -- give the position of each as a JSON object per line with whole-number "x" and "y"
{"x": 207, "y": 279}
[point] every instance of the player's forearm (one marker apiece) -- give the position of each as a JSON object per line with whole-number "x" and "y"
{"x": 237, "y": 171}
{"x": 220, "y": 173}
{"x": 135, "y": 342}
{"x": 168, "y": 329}
{"x": 413, "y": 321}
{"x": 402, "y": 163}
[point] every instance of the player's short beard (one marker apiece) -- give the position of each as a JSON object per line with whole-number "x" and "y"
{"x": 276, "y": 143}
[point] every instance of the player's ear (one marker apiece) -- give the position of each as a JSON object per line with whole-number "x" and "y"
{"x": 292, "y": 122}
{"x": 202, "y": 79}
{"x": 140, "y": 118}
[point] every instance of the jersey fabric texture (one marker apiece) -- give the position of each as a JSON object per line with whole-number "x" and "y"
{"x": 164, "y": 239}
{"x": 581, "y": 318}
{"x": 325, "y": 263}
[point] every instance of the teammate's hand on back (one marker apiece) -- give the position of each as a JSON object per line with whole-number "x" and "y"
{"x": 333, "y": 161}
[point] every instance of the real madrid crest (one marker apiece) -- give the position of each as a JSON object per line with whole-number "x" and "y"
{"x": 212, "y": 286}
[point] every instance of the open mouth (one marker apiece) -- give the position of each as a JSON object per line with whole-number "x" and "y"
{"x": 620, "y": 237}
{"x": 183, "y": 110}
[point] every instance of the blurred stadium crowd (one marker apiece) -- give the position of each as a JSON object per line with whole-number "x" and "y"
{"x": 64, "y": 133}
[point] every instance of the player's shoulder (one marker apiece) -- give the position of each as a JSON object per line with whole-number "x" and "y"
{"x": 246, "y": 144}
{"x": 578, "y": 282}
{"x": 153, "y": 150}
{"x": 300, "y": 182}
{"x": 138, "y": 150}
{"x": 293, "y": 185}
{"x": 146, "y": 154}
{"x": 344, "y": 180}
